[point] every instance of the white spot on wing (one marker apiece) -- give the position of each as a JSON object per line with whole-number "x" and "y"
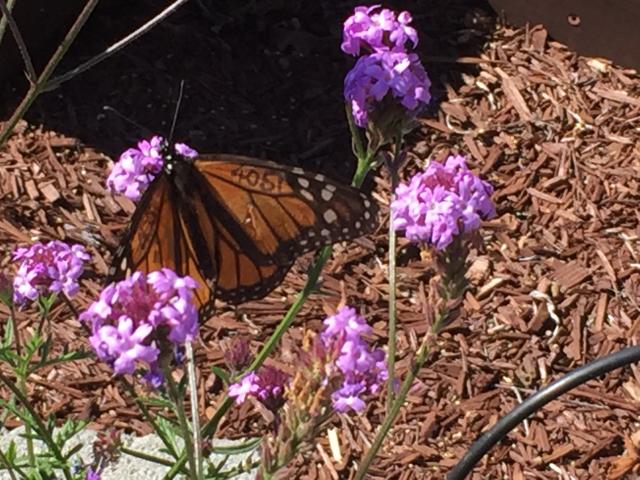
{"x": 307, "y": 194}
{"x": 330, "y": 216}
{"x": 304, "y": 183}
{"x": 326, "y": 194}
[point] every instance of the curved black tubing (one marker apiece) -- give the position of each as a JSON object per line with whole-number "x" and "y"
{"x": 538, "y": 400}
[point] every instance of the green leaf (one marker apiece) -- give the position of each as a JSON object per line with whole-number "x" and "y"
{"x": 7, "y": 339}
{"x": 11, "y": 452}
{"x": 245, "y": 447}
{"x": 73, "y": 450}
{"x": 18, "y": 412}
{"x": 66, "y": 356}
{"x": 6, "y": 296}
{"x": 69, "y": 429}
{"x": 157, "y": 402}
{"x": 9, "y": 356}
{"x": 45, "y": 302}
{"x": 31, "y": 346}
{"x": 44, "y": 350}
{"x": 168, "y": 431}
{"x": 221, "y": 373}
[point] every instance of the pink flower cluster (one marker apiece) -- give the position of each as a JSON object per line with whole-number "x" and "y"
{"x": 377, "y": 30}
{"x": 362, "y": 367}
{"x": 376, "y": 75}
{"x": 47, "y": 268}
{"x": 137, "y": 319}
{"x": 388, "y": 67}
{"x": 137, "y": 167}
{"x": 442, "y": 202}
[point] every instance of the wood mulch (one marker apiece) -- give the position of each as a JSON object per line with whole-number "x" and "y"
{"x": 556, "y": 285}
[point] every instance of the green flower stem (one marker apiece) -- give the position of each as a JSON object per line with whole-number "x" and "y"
{"x": 43, "y": 84}
{"x": 39, "y": 86}
{"x": 146, "y": 456}
{"x": 391, "y": 349}
{"x": 43, "y": 432}
{"x": 287, "y": 320}
{"x": 421, "y": 356}
{"x": 195, "y": 413}
{"x": 14, "y": 327}
{"x": 22, "y": 385}
{"x": 17, "y": 36}
{"x": 4, "y": 20}
{"x": 178, "y": 401}
{"x": 116, "y": 47}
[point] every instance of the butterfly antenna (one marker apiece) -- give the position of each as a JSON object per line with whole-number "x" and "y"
{"x": 110, "y": 109}
{"x": 175, "y": 114}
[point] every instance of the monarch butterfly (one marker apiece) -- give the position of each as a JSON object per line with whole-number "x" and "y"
{"x": 236, "y": 224}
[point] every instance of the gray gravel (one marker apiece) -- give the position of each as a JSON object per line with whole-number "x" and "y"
{"x": 127, "y": 467}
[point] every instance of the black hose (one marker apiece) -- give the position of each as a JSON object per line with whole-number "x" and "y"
{"x": 538, "y": 400}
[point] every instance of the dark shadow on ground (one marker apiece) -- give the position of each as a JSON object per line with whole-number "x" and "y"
{"x": 266, "y": 83}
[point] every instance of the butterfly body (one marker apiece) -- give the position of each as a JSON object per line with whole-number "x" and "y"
{"x": 236, "y": 224}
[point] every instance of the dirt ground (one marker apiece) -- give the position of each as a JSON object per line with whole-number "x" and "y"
{"x": 555, "y": 133}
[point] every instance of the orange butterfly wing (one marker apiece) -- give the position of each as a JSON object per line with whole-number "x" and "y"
{"x": 237, "y": 224}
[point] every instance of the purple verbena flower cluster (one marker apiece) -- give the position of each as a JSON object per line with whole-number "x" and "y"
{"x": 137, "y": 167}
{"x": 363, "y": 368}
{"x": 47, "y": 268}
{"x": 388, "y": 67}
{"x": 140, "y": 318}
{"x": 268, "y": 386}
{"x": 340, "y": 355}
{"x": 378, "y": 74}
{"x": 377, "y": 30}
{"x": 442, "y": 202}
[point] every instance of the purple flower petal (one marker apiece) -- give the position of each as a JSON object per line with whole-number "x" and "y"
{"x": 246, "y": 386}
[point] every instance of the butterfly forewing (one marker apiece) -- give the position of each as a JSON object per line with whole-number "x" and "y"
{"x": 286, "y": 211}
